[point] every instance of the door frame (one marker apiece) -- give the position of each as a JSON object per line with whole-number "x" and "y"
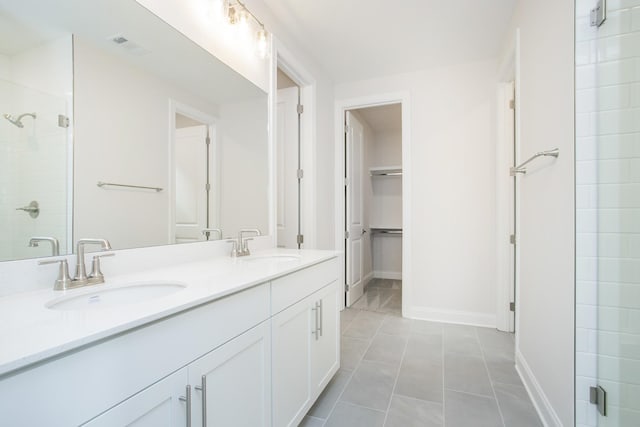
{"x": 287, "y": 62}
{"x": 341, "y": 107}
{"x": 214, "y": 167}
{"x": 509, "y": 71}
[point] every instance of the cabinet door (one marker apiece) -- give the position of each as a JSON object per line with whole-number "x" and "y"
{"x": 156, "y": 406}
{"x": 292, "y": 334}
{"x": 325, "y": 350}
{"x": 232, "y": 384}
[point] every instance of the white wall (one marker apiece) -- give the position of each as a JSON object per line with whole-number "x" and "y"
{"x": 453, "y": 202}
{"x": 607, "y": 194}
{"x": 545, "y": 294}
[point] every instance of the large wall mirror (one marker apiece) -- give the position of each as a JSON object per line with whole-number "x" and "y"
{"x": 114, "y": 125}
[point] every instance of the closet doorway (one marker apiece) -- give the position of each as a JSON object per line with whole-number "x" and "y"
{"x": 373, "y": 200}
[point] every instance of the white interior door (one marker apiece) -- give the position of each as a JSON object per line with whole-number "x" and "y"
{"x": 190, "y": 185}
{"x": 287, "y": 151}
{"x": 511, "y": 131}
{"x": 354, "y": 217}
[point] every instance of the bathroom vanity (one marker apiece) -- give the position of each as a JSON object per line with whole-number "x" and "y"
{"x": 250, "y": 341}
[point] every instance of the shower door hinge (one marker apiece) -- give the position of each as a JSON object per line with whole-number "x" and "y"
{"x": 63, "y": 121}
{"x": 300, "y": 173}
{"x": 300, "y": 239}
{"x": 598, "y": 396}
{"x": 599, "y": 13}
{"x": 512, "y": 306}
{"x": 512, "y": 239}
{"x": 300, "y": 108}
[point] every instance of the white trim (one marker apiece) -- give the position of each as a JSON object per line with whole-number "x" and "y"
{"x": 210, "y": 121}
{"x": 288, "y": 63}
{"x": 341, "y": 106}
{"x": 509, "y": 70}
{"x": 450, "y": 316}
{"x": 540, "y": 401}
{"x": 391, "y": 275}
{"x": 368, "y": 277}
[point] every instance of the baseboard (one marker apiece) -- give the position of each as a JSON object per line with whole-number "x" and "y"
{"x": 366, "y": 279}
{"x": 451, "y": 316}
{"x": 391, "y": 275}
{"x": 540, "y": 401}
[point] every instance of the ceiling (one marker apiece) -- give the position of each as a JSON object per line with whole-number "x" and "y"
{"x": 384, "y": 118}
{"x": 359, "y": 39}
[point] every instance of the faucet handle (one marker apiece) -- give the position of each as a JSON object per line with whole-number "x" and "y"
{"x": 245, "y": 246}
{"x": 96, "y": 275}
{"x": 63, "y": 282}
{"x": 234, "y": 249}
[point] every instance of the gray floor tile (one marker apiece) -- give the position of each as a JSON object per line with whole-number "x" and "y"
{"x": 311, "y": 422}
{"x": 346, "y": 415}
{"x": 420, "y": 378}
{"x": 516, "y": 406}
{"x": 381, "y": 283}
{"x": 327, "y": 400}
{"x": 467, "y": 374}
{"x": 346, "y": 317}
{"x": 407, "y": 412}
{"x": 387, "y": 349}
{"x": 365, "y": 325}
{"x": 426, "y": 346}
{"x": 462, "y": 344}
{"x": 502, "y": 369}
{"x": 466, "y": 410}
{"x": 371, "y": 385}
{"x": 496, "y": 342}
{"x": 459, "y": 330}
{"x": 351, "y": 351}
{"x": 426, "y": 327}
{"x": 393, "y": 325}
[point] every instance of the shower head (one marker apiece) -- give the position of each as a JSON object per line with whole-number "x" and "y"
{"x": 18, "y": 121}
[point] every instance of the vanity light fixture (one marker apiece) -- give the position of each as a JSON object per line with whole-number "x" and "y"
{"x": 238, "y": 13}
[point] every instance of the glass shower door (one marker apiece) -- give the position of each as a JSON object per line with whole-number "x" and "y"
{"x": 608, "y": 214}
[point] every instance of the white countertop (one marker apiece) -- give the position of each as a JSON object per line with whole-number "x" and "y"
{"x": 30, "y": 332}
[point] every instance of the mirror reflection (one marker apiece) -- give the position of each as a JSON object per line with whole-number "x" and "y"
{"x": 119, "y": 127}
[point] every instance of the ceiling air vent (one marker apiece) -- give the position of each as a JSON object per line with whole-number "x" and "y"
{"x": 127, "y": 45}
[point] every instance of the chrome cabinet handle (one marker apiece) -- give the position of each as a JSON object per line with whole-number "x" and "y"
{"x": 188, "y": 400}
{"x": 321, "y": 312}
{"x": 315, "y": 329}
{"x": 203, "y": 388}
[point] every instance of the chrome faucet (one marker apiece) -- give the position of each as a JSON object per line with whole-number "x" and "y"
{"x": 55, "y": 245}
{"x": 64, "y": 281}
{"x": 208, "y": 231}
{"x": 96, "y": 276}
{"x": 243, "y": 246}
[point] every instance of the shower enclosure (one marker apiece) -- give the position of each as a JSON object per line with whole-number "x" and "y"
{"x": 34, "y": 171}
{"x": 608, "y": 213}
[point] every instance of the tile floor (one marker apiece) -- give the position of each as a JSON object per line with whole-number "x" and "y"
{"x": 398, "y": 372}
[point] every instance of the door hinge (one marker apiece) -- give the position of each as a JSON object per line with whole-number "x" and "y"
{"x": 300, "y": 108}
{"x": 63, "y": 121}
{"x": 512, "y": 306}
{"x": 512, "y": 104}
{"x": 598, "y": 396}
{"x": 346, "y": 182}
{"x": 207, "y": 187}
{"x": 346, "y": 234}
{"x": 512, "y": 239}
{"x": 300, "y": 173}
{"x": 208, "y": 140}
{"x": 599, "y": 13}
{"x": 346, "y": 128}
{"x": 300, "y": 239}
{"x": 346, "y": 287}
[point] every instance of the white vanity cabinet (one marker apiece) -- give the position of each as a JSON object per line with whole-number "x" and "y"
{"x": 305, "y": 340}
{"x": 230, "y": 386}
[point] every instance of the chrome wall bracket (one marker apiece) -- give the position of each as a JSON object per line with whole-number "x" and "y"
{"x": 599, "y": 13}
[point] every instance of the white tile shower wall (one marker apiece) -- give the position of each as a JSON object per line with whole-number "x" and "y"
{"x": 607, "y": 202}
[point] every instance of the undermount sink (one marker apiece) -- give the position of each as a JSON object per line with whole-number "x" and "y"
{"x": 275, "y": 257}
{"x": 103, "y": 297}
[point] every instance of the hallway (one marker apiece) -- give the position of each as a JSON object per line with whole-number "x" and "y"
{"x": 401, "y": 372}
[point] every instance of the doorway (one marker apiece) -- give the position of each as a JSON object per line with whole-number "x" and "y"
{"x": 373, "y": 201}
{"x": 195, "y": 193}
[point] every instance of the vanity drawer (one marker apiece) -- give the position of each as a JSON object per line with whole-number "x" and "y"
{"x": 288, "y": 290}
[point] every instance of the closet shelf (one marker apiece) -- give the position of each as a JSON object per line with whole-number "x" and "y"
{"x": 386, "y": 171}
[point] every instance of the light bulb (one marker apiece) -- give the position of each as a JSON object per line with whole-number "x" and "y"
{"x": 262, "y": 43}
